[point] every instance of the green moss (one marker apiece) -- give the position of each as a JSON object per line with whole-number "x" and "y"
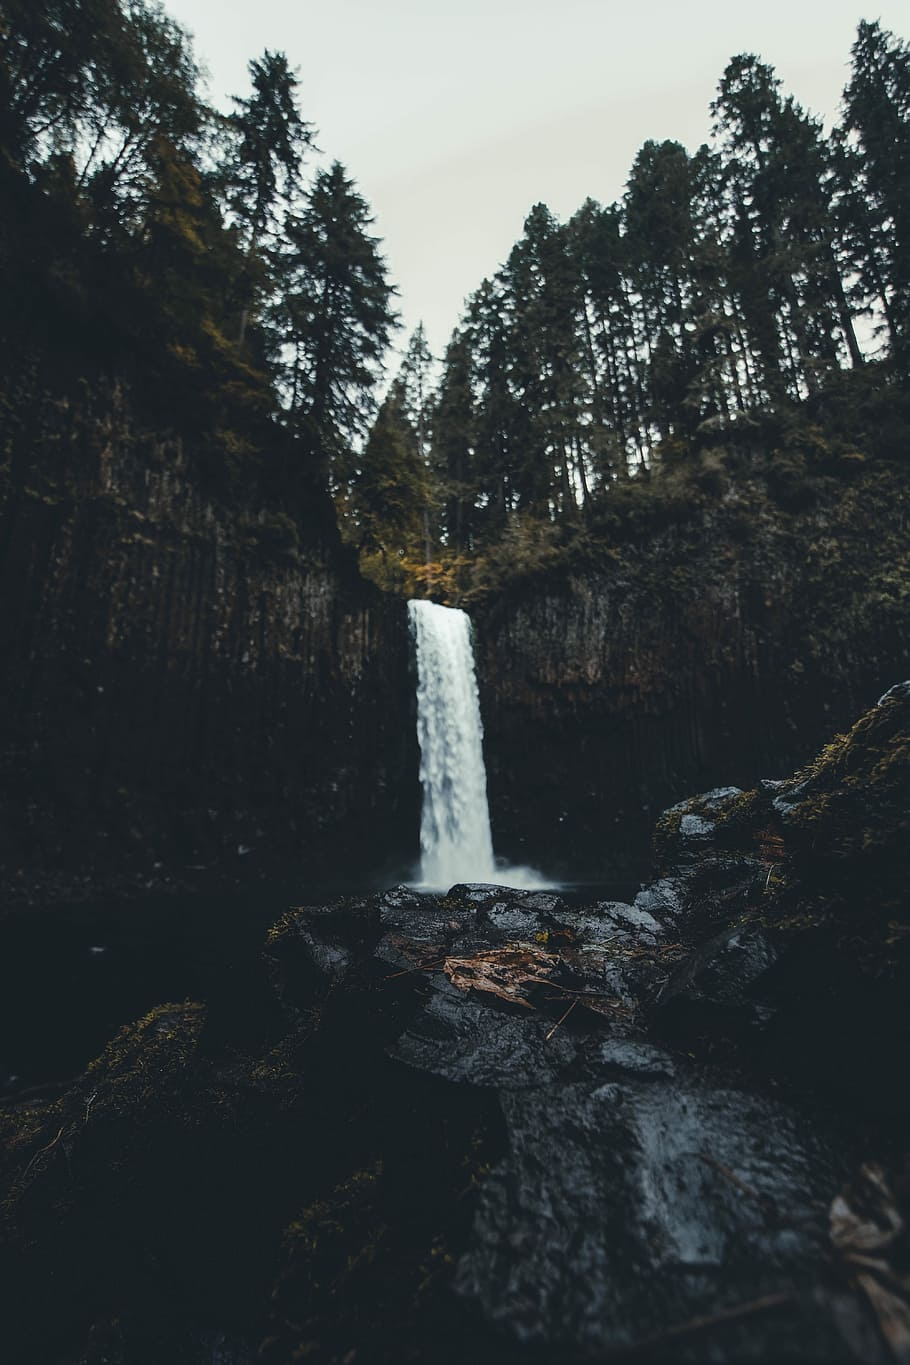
{"x": 848, "y": 841}
{"x": 281, "y": 1065}
{"x": 855, "y": 791}
{"x": 284, "y": 928}
{"x": 144, "y": 1058}
{"x": 740, "y": 808}
{"x": 664, "y": 837}
{"x": 136, "y": 1073}
{"x": 740, "y": 820}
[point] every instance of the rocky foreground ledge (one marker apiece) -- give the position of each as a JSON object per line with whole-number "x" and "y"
{"x": 496, "y": 1125}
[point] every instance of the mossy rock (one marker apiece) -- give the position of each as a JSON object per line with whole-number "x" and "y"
{"x": 849, "y": 829}
{"x": 136, "y": 1075}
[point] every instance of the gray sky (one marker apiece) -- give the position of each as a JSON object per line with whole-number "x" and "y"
{"x": 454, "y": 118}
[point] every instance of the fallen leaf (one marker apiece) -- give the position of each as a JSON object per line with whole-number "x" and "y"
{"x": 864, "y": 1220}
{"x": 504, "y": 972}
{"x": 893, "y": 1313}
{"x": 864, "y": 1216}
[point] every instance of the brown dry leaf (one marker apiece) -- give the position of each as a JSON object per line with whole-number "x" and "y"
{"x": 893, "y": 1313}
{"x": 771, "y": 846}
{"x": 611, "y": 1009}
{"x": 865, "y": 1219}
{"x": 501, "y": 971}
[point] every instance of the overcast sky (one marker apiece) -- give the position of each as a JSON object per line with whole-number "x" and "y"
{"x": 454, "y": 118}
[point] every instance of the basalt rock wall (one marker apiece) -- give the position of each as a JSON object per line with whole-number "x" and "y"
{"x": 721, "y": 647}
{"x": 186, "y": 684}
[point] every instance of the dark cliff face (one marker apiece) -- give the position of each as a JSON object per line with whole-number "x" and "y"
{"x": 184, "y": 685}
{"x": 721, "y": 648}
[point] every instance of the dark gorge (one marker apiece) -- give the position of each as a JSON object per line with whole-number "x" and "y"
{"x": 230, "y": 692}
{"x": 404, "y": 1126}
{"x": 276, "y": 1084}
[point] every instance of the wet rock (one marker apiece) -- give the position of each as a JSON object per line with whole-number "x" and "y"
{"x": 637, "y": 1058}
{"x": 664, "y": 900}
{"x": 396, "y": 904}
{"x": 725, "y": 974}
{"x": 424, "y": 917}
{"x": 462, "y": 1039}
{"x": 788, "y": 798}
{"x": 899, "y": 692}
{"x": 632, "y": 918}
{"x": 695, "y": 829}
{"x": 684, "y": 831}
{"x": 542, "y": 901}
{"x": 513, "y": 920}
{"x": 330, "y": 958}
{"x": 478, "y": 893}
{"x": 622, "y": 1209}
{"x": 718, "y": 799}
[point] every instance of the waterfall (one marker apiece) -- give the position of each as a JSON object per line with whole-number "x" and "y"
{"x": 455, "y": 840}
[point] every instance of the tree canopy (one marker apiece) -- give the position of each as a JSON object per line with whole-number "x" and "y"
{"x": 237, "y": 280}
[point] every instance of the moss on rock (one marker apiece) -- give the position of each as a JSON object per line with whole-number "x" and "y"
{"x": 848, "y": 827}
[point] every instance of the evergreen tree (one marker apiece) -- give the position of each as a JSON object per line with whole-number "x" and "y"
{"x": 414, "y": 378}
{"x": 660, "y": 244}
{"x": 389, "y": 489}
{"x": 334, "y": 319}
{"x": 875, "y": 178}
{"x": 547, "y": 375}
{"x": 99, "y": 82}
{"x": 600, "y": 253}
{"x": 502, "y": 424}
{"x": 745, "y": 114}
{"x": 784, "y": 268}
{"x": 262, "y": 168}
{"x": 453, "y": 443}
{"x": 56, "y": 72}
{"x": 722, "y": 383}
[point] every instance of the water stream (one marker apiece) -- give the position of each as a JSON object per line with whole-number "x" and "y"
{"x": 456, "y": 844}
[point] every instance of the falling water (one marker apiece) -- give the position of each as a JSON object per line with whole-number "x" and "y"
{"x": 455, "y": 840}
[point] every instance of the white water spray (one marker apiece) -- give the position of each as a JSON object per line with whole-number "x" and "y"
{"x": 455, "y": 840}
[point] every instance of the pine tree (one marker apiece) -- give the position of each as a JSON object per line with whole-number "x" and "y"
{"x": 389, "y": 489}
{"x": 660, "y": 245}
{"x": 784, "y": 269}
{"x": 334, "y": 319}
{"x": 414, "y": 378}
{"x": 875, "y": 178}
{"x": 453, "y": 444}
{"x": 100, "y": 83}
{"x": 262, "y": 168}
{"x": 502, "y": 423}
{"x": 270, "y": 138}
{"x": 722, "y": 382}
{"x": 607, "y": 335}
{"x": 548, "y": 378}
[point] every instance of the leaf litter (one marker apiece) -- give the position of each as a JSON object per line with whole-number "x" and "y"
{"x": 865, "y": 1226}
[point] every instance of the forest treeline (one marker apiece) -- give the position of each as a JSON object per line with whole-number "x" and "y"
{"x": 232, "y": 274}
{"x": 758, "y": 288}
